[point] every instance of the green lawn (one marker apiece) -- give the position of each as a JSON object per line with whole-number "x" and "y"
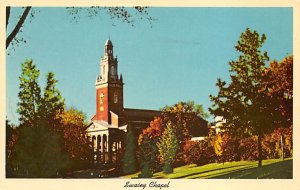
{"x": 271, "y": 169}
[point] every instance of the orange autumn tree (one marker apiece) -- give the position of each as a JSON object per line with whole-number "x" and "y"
{"x": 279, "y": 77}
{"x": 76, "y": 142}
{"x": 148, "y": 151}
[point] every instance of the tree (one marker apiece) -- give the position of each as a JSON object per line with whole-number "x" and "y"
{"x": 148, "y": 152}
{"x": 52, "y": 105}
{"x": 129, "y": 159}
{"x": 225, "y": 147}
{"x": 167, "y": 147}
{"x": 75, "y": 140}
{"x": 244, "y": 103}
{"x": 38, "y": 151}
{"x": 30, "y": 94}
{"x": 17, "y": 27}
{"x": 199, "y": 152}
{"x": 187, "y": 118}
{"x": 120, "y": 13}
{"x": 11, "y": 138}
{"x": 280, "y": 88}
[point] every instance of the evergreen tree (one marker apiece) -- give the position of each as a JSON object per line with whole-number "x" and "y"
{"x": 167, "y": 147}
{"x": 38, "y": 151}
{"x": 30, "y": 94}
{"x": 244, "y": 103}
{"x": 52, "y": 106}
{"x": 129, "y": 159}
{"x": 148, "y": 157}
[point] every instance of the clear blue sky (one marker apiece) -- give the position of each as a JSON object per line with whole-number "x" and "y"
{"x": 178, "y": 59}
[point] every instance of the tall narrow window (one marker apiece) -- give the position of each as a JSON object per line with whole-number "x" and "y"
{"x": 115, "y": 98}
{"x": 101, "y": 98}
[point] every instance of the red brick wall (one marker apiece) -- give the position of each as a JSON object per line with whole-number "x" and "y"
{"x": 102, "y": 114}
{"x": 115, "y": 107}
{"x": 108, "y": 102}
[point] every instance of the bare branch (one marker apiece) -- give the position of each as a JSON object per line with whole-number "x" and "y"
{"x": 18, "y": 26}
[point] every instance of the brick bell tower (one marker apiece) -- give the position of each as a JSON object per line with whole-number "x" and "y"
{"x": 109, "y": 87}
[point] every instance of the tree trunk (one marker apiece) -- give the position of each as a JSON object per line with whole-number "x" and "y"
{"x": 282, "y": 147}
{"x": 259, "y": 148}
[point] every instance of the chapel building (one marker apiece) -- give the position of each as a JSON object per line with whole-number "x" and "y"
{"x": 111, "y": 121}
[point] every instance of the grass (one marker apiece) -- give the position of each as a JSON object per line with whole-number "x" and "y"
{"x": 271, "y": 169}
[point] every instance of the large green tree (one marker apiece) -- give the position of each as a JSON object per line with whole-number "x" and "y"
{"x": 38, "y": 151}
{"x": 243, "y": 102}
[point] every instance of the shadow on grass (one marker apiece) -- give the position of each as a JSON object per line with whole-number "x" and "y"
{"x": 218, "y": 169}
{"x": 206, "y": 176}
{"x": 279, "y": 170}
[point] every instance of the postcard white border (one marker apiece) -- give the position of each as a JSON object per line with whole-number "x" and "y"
{"x": 176, "y": 184}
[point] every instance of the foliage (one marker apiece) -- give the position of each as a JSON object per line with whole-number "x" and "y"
{"x": 280, "y": 87}
{"x": 148, "y": 152}
{"x": 244, "y": 103}
{"x": 52, "y": 103}
{"x": 271, "y": 145}
{"x": 198, "y": 152}
{"x": 279, "y": 80}
{"x": 30, "y": 93}
{"x": 38, "y": 150}
{"x": 274, "y": 143}
{"x": 129, "y": 159}
{"x": 186, "y": 118}
{"x": 11, "y": 138}
{"x": 123, "y": 14}
{"x": 75, "y": 140}
{"x": 248, "y": 148}
{"x": 225, "y": 147}
{"x": 167, "y": 147}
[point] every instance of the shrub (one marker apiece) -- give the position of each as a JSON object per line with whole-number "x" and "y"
{"x": 198, "y": 152}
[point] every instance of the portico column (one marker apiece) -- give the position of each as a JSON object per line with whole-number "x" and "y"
{"x": 103, "y": 150}
{"x": 100, "y": 148}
